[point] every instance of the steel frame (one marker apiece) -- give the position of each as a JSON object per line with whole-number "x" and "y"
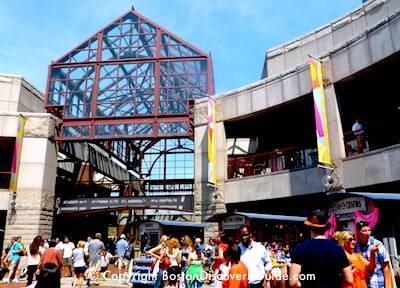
{"x": 128, "y": 87}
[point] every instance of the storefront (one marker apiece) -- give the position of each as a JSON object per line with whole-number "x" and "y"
{"x": 150, "y": 231}
{"x": 288, "y": 230}
{"x": 380, "y": 210}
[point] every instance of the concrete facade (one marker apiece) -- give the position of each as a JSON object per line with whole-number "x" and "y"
{"x": 349, "y": 44}
{"x": 34, "y": 204}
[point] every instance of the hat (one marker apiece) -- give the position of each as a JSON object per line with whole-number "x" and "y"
{"x": 197, "y": 240}
{"x": 315, "y": 221}
{"x": 122, "y": 236}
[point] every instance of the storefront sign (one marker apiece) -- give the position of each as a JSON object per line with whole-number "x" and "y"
{"x": 149, "y": 227}
{"x": 233, "y": 222}
{"x": 87, "y": 205}
{"x": 348, "y": 205}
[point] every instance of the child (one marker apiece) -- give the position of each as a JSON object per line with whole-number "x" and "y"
{"x": 104, "y": 261}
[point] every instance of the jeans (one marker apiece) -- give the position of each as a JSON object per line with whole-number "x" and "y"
{"x": 159, "y": 281}
{"x": 196, "y": 284}
{"x": 31, "y": 272}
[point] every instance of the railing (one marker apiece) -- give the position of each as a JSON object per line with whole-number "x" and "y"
{"x": 268, "y": 162}
{"x": 5, "y": 179}
{"x": 354, "y": 146}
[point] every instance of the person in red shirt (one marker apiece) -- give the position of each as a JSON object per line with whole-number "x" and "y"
{"x": 49, "y": 268}
{"x": 238, "y": 273}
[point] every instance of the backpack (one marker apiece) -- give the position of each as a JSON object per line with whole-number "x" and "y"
{"x": 129, "y": 251}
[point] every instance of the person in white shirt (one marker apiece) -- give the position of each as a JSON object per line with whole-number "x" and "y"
{"x": 358, "y": 131}
{"x": 256, "y": 257}
{"x": 59, "y": 245}
{"x": 67, "y": 256}
{"x": 34, "y": 252}
{"x": 78, "y": 256}
{"x": 86, "y": 249}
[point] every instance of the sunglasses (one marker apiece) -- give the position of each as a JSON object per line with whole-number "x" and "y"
{"x": 350, "y": 239}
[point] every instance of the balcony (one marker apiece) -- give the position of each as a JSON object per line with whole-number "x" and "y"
{"x": 268, "y": 162}
{"x": 5, "y": 179}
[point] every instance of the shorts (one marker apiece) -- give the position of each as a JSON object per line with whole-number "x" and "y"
{"x": 67, "y": 261}
{"x": 121, "y": 261}
{"x": 79, "y": 269}
{"x": 94, "y": 264}
{"x": 14, "y": 264}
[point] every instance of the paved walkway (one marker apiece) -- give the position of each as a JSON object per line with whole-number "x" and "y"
{"x": 66, "y": 283}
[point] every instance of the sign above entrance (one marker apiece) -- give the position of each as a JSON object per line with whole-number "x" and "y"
{"x": 348, "y": 205}
{"x": 233, "y": 222}
{"x": 90, "y": 205}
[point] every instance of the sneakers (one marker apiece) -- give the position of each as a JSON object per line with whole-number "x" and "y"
{"x": 6, "y": 280}
{"x": 15, "y": 280}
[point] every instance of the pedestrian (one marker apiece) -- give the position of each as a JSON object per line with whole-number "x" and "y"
{"x": 78, "y": 256}
{"x": 49, "y": 268}
{"x": 256, "y": 258}
{"x": 67, "y": 249}
{"x": 94, "y": 249}
{"x": 15, "y": 252}
{"x": 173, "y": 277}
{"x": 322, "y": 262}
{"x": 173, "y": 252}
{"x": 120, "y": 251}
{"x": 219, "y": 266}
{"x": 158, "y": 253}
{"x": 34, "y": 252}
{"x": 361, "y": 266}
{"x": 382, "y": 275}
{"x": 201, "y": 246}
{"x": 195, "y": 263}
{"x": 238, "y": 273}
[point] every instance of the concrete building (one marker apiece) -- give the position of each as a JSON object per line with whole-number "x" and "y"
{"x": 34, "y": 203}
{"x": 270, "y": 123}
{"x": 266, "y": 143}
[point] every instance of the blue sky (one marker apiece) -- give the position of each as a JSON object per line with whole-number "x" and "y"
{"x": 236, "y": 32}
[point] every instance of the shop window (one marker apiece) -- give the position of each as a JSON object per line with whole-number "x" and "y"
{"x": 6, "y": 156}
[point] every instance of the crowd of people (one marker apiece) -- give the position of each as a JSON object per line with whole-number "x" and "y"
{"x": 347, "y": 260}
{"x": 48, "y": 261}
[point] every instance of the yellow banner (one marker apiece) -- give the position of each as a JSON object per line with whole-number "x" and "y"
{"x": 212, "y": 149}
{"x": 17, "y": 153}
{"x": 321, "y": 123}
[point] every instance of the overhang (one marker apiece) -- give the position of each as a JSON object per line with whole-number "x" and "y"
{"x": 255, "y": 216}
{"x": 179, "y": 223}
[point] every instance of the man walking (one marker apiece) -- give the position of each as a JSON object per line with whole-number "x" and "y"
{"x": 256, "y": 258}
{"x": 320, "y": 261}
{"x": 120, "y": 251}
{"x": 95, "y": 247}
{"x": 382, "y": 275}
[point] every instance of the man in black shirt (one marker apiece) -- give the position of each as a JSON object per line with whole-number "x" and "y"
{"x": 318, "y": 262}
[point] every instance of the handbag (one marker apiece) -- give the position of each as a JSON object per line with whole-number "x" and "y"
{"x": 165, "y": 262}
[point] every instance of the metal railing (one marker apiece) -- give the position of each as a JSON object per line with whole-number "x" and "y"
{"x": 268, "y": 162}
{"x": 353, "y": 146}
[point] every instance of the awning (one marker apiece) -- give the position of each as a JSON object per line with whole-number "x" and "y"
{"x": 377, "y": 196}
{"x": 272, "y": 217}
{"x": 178, "y": 223}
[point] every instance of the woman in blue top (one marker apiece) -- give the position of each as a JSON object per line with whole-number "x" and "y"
{"x": 14, "y": 256}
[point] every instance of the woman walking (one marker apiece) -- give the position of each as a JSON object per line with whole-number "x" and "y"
{"x": 159, "y": 252}
{"x": 78, "y": 256}
{"x": 362, "y": 267}
{"x": 35, "y": 251}
{"x": 194, "y": 271}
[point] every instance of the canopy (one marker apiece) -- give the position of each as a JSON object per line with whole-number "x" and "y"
{"x": 272, "y": 217}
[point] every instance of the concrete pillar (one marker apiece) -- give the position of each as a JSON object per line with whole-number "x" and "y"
{"x": 335, "y": 130}
{"x": 36, "y": 182}
{"x": 208, "y": 201}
